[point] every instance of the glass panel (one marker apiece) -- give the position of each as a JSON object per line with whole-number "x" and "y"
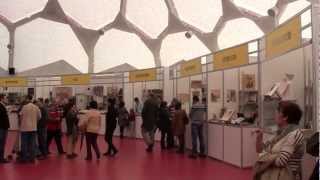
{"x": 176, "y": 47}
{"x": 42, "y": 42}
{"x": 116, "y": 47}
{"x": 151, "y": 17}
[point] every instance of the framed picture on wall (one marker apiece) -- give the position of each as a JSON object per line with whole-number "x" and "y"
{"x": 248, "y": 82}
{"x": 98, "y": 91}
{"x": 215, "y": 95}
{"x": 231, "y": 96}
{"x": 196, "y": 84}
{"x": 62, "y": 94}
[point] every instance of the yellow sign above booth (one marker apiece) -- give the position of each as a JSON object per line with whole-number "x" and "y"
{"x": 284, "y": 38}
{"x": 82, "y": 79}
{"x": 143, "y": 75}
{"x": 231, "y": 57}
{"x": 191, "y": 67}
{"x": 13, "y": 82}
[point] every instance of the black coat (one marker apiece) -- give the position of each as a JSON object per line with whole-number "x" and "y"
{"x": 4, "y": 118}
{"x": 150, "y": 114}
{"x": 111, "y": 118}
{"x": 164, "y": 122}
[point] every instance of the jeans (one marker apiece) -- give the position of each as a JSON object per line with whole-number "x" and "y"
{"x": 28, "y": 144}
{"x": 197, "y": 132}
{"x": 148, "y": 136}
{"x": 42, "y": 141}
{"x": 91, "y": 140}
{"x": 3, "y": 140}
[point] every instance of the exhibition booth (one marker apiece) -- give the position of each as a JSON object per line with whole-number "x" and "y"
{"x": 241, "y": 87}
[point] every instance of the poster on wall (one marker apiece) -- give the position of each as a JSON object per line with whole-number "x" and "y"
{"x": 196, "y": 84}
{"x": 215, "y": 95}
{"x": 231, "y": 96}
{"x": 248, "y": 82}
{"x": 62, "y": 94}
{"x": 98, "y": 91}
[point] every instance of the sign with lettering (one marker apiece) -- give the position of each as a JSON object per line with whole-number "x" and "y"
{"x": 231, "y": 57}
{"x": 190, "y": 67}
{"x": 284, "y": 38}
{"x": 82, "y": 79}
{"x": 143, "y": 75}
{"x": 13, "y": 82}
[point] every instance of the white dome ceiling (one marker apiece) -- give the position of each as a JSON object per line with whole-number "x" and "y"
{"x": 144, "y": 33}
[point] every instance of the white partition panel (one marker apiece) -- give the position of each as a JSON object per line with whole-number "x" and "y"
{"x": 231, "y": 86}
{"x": 215, "y": 84}
{"x": 183, "y": 87}
{"x": 274, "y": 71}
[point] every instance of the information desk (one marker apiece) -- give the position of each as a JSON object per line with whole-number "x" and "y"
{"x": 233, "y": 144}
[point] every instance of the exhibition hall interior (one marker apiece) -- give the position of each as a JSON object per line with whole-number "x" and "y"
{"x": 159, "y": 89}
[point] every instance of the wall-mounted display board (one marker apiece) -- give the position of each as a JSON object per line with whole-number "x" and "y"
{"x": 13, "y": 82}
{"x": 83, "y": 79}
{"x": 143, "y": 75}
{"x": 231, "y": 57}
{"x": 190, "y": 68}
{"x": 284, "y": 38}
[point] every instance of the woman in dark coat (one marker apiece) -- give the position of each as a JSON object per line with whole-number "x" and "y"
{"x": 111, "y": 124}
{"x": 164, "y": 124}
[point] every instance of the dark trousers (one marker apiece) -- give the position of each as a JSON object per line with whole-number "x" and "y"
{"x": 181, "y": 142}
{"x": 197, "y": 133}
{"x": 91, "y": 140}
{"x": 42, "y": 141}
{"x": 28, "y": 146}
{"x": 121, "y": 131}
{"x": 3, "y": 140}
{"x": 57, "y": 137}
{"x": 166, "y": 138}
{"x": 108, "y": 139}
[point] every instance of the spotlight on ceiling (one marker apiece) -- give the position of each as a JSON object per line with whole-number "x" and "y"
{"x": 188, "y": 34}
{"x": 273, "y": 12}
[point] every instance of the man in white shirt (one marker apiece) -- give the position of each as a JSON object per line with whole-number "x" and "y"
{"x": 30, "y": 115}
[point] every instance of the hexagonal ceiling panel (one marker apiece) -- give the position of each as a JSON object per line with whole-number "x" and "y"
{"x": 203, "y": 14}
{"x": 116, "y": 47}
{"x": 15, "y": 10}
{"x": 238, "y": 31}
{"x": 4, "y": 41}
{"x": 176, "y": 47}
{"x": 91, "y": 14}
{"x": 150, "y": 16}
{"x": 292, "y": 9}
{"x": 41, "y": 42}
{"x": 258, "y": 6}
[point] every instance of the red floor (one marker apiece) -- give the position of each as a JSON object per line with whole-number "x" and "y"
{"x": 132, "y": 163}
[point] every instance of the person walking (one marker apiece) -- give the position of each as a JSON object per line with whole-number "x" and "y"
{"x": 30, "y": 115}
{"x": 54, "y": 127}
{"x": 149, "y": 119}
{"x": 198, "y": 117}
{"x": 111, "y": 124}
{"x": 164, "y": 124}
{"x": 4, "y": 126}
{"x": 42, "y": 129}
{"x": 71, "y": 116}
{"x": 180, "y": 120}
{"x": 92, "y": 127}
{"x": 123, "y": 118}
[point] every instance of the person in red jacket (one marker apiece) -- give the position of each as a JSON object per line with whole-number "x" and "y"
{"x": 54, "y": 127}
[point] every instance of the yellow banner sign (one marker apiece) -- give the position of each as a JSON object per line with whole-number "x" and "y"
{"x": 231, "y": 57}
{"x": 13, "y": 82}
{"x": 284, "y": 38}
{"x": 191, "y": 67}
{"x": 143, "y": 75}
{"x": 76, "y": 79}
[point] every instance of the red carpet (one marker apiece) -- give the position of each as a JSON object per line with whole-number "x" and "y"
{"x": 132, "y": 163}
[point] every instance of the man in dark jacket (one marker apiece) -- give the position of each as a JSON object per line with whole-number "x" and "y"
{"x": 42, "y": 129}
{"x": 164, "y": 124}
{"x": 4, "y": 126}
{"x": 149, "y": 119}
{"x": 111, "y": 124}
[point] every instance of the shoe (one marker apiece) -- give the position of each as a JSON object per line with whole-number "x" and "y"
{"x": 40, "y": 158}
{"x": 114, "y": 153}
{"x": 88, "y": 158}
{"x": 4, "y": 161}
{"x": 193, "y": 156}
{"x": 150, "y": 148}
{"x": 202, "y": 155}
{"x": 107, "y": 154}
{"x": 62, "y": 153}
{"x": 180, "y": 151}
{"x": 74, "y": 155}
{"x": 70, "y": 156}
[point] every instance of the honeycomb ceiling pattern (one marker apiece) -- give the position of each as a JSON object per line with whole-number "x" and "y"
{"x": 96, "y": 35}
